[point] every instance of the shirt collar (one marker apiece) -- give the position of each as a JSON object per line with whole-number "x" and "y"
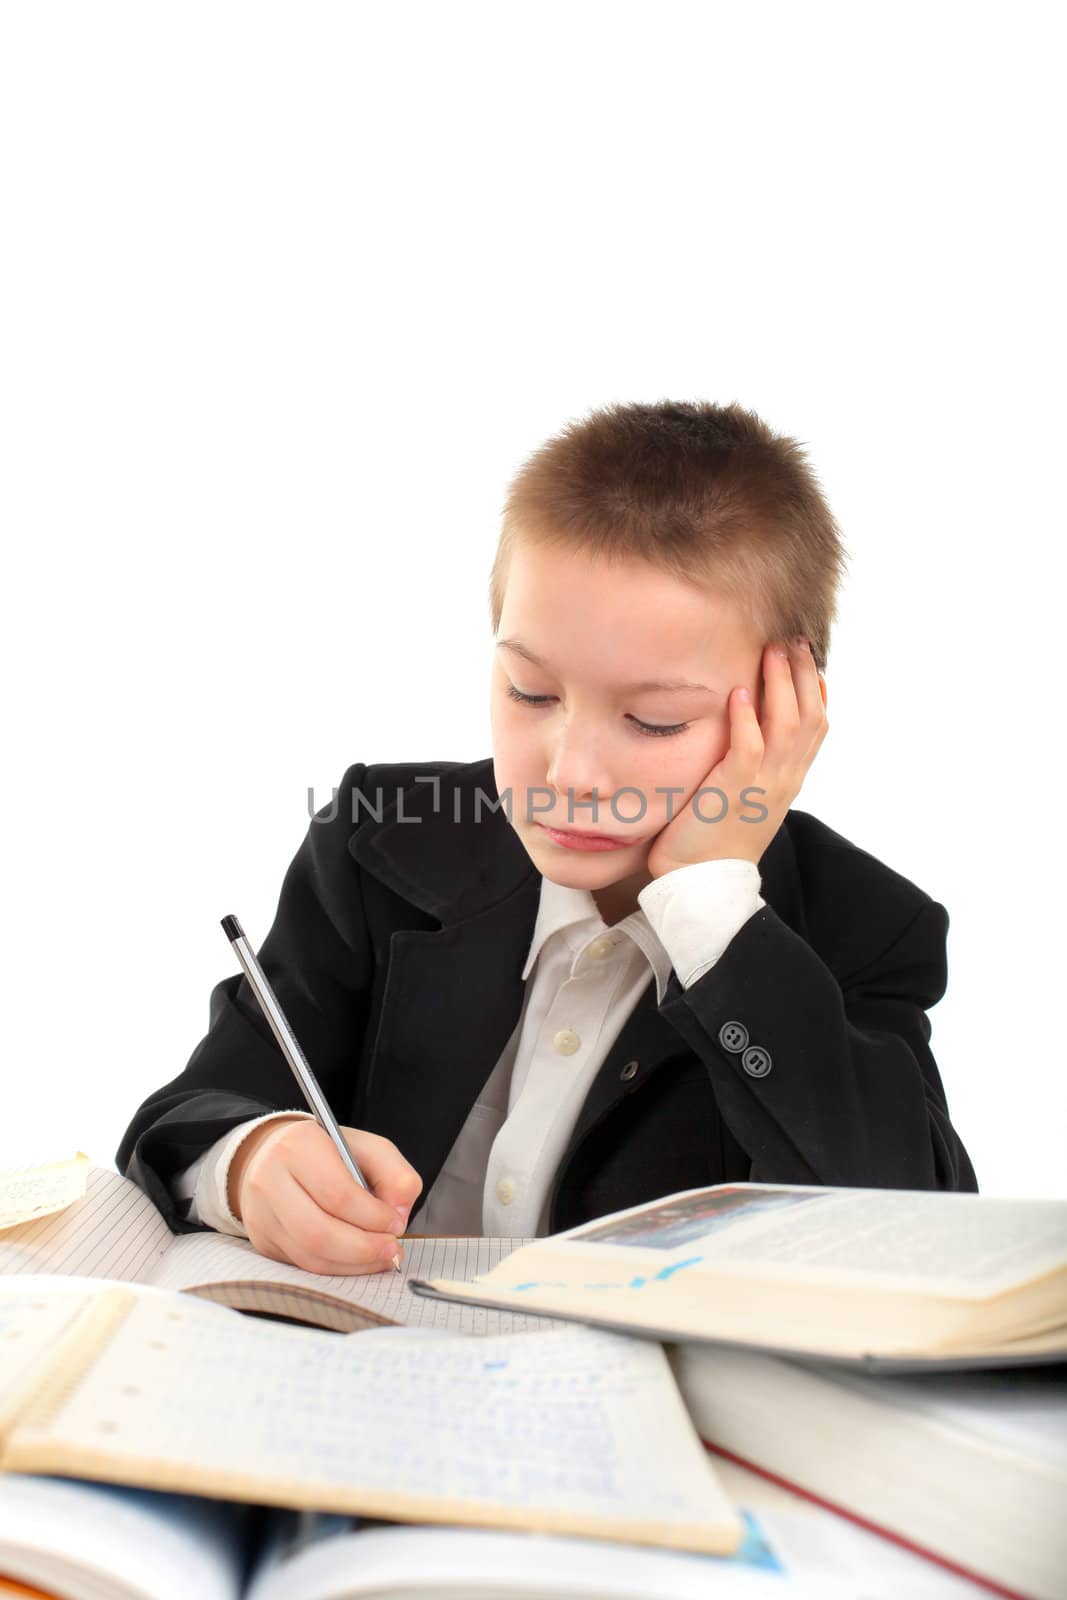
{"x": 565, "y": 910}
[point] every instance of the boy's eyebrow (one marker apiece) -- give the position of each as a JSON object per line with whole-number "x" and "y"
{"x": 670, "y": 685}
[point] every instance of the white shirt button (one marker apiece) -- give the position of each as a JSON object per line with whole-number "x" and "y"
{"x": 566, "y": 1041}
{"x": 505, "y": 1191}
{"x": 601, "y": 947}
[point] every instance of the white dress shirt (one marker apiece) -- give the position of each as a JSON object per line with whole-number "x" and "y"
{"x": 587, "y": 978}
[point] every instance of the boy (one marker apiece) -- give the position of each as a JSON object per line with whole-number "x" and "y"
{"x": 613, "y": 962}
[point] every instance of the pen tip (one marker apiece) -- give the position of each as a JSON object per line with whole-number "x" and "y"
{"x": 396, "y": 1263}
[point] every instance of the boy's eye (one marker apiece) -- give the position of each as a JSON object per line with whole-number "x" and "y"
{"x": 652, "y": 729}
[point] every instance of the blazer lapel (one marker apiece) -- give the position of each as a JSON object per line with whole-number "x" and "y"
{"x": 452, "y": 994}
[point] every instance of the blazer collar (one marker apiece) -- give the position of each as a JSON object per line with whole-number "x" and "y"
{"x": 446, "y": 844}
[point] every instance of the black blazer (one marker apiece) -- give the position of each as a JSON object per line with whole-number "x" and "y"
{"x": 404, "y": 920}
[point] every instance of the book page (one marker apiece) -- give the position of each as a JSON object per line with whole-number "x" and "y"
{"x": 113, "y": 1231}
{"x": 198, "y": 1261}
{"x": 943, "y": 1245}
{"x": 120, "y": 1541}
{"x": 30, "y": 1192}
{"x": 317, "y": 1560}
{"x": 576, "y": 1432}
{"x": 963, "y": 1245}
{"x": 792, "y": 1549}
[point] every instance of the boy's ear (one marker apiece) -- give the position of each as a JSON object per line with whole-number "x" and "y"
{"x": 822, "y": 689}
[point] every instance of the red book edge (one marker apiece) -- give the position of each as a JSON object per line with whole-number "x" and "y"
{"x": 871, "y": 1527}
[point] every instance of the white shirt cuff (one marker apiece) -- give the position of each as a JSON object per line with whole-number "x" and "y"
{"x": 695, "y": 911}
{"x": 208, "y": 1177}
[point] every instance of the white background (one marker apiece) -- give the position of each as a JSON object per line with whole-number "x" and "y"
{"x": 289, "y": 293}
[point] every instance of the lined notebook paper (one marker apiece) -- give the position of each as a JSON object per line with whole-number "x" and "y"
{"x": 201, "y": 1261}
{"x": 113, "y": 1232}
{"x": 580, "y": 1430}
{"x": 116, "y": 1232}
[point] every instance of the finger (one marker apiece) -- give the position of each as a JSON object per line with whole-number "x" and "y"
{"x": 335, "y": 1246}
{"x": 811, "y": 692}
{"x": 278, "y": 1245}
{"x": 781, "y": 711}
{"x": 807, "y": 682}
{"x": 318, "y": 1167}
{"x": 268, "y": 1234}
{"x": 742, "y": 761}
{"x": 392, "y": 1177}
{"x": 291, "y": 1250}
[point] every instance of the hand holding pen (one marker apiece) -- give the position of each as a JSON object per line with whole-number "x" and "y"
{"x": 297, "y": 1185}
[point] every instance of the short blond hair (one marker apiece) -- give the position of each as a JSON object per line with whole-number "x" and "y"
{"x": 708, "y": 493}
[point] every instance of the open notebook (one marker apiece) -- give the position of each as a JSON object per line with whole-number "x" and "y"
{"x": 114, "y": 1231}
{"x": 577, "y": 1432}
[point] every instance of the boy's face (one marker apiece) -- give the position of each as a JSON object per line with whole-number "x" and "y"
{"x": 601, "y": 630}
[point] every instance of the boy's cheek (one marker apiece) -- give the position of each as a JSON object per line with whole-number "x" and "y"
{"x": 688, "y": 774}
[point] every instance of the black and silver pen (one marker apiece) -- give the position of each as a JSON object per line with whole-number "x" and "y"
{"x": 290, "y": 1049}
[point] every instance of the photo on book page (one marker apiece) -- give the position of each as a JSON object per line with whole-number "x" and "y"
{"x": 665, "y": 1225}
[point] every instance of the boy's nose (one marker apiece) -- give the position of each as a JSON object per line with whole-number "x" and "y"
{"x": 577, "y": 786}
{"x": 574, "y": 764}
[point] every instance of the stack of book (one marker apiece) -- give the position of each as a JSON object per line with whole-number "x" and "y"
{"x": 749, "y": 1390}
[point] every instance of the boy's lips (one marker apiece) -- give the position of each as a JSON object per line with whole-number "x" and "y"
{"x": 586, "y": 841}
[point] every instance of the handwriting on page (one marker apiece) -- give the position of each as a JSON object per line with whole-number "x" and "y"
{"x": 113, "y": 1231}
{"x": 581, "y": 1420}
{"x": 40, "y": 1191}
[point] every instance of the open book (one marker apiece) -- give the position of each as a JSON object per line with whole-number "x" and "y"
{"x": 114, "y": 1231}
{"x": 96, "y": 1541}
{"x": 576, "y": 1432}
{"x": 888, "y": 1278}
